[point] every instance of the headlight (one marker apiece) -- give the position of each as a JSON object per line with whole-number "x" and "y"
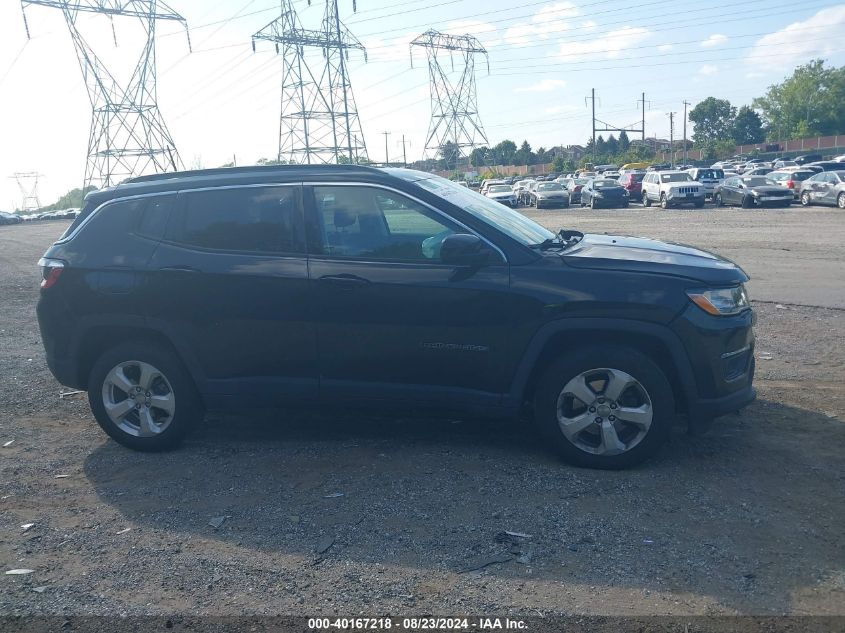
{"x": 597, "y": 194}
{"x": 721, "y": 301}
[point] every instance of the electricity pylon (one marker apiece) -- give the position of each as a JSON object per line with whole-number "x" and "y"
{"x": 319, "y": 121}
{"x": 28, "y": 184}
{"x": 128, "y": 135}
{"x": 455, "y": 125}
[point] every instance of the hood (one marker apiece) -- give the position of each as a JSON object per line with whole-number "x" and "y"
{"x": 619, "y": 252}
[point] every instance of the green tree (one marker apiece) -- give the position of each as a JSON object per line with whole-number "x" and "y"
{"x": 624, "y": 141}
{"x": 601, "y": 146}
{"x": 269, "y": 161}
{"x": 808, "y": 103}
{"x": 612, "y": 145}
{"x": 748, "y": 127}
{"x": 713, "y": 120}
{"x": 480, "y": 156}
{"x": 542, "y": 155}
{"x": 72, "y": 199}
{"x": 503, "y": 152}
{"x": 449, "y": 153}
{"x": 524, "y": 156}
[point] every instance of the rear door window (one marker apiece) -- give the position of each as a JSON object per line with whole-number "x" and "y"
{"x": 246, "y": 220}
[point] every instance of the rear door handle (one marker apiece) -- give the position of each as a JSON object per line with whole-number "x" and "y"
{"x": 345, "y": 280}
{"x": 180, "y": 269}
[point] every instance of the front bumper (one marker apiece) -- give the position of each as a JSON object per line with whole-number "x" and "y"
{"x": 682, "y": 198}
{"x": 552, "y": 202}
{"x": 721, "y": 353}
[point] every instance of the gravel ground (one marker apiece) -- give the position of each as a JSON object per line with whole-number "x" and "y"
{"x": 360, "y": 514}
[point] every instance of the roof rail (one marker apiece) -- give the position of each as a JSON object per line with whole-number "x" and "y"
{"x": 232, "y": 171}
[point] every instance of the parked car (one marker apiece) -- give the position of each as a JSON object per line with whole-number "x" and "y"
{"x": 9, "y": 218}
{"x": 840, "y": 159}
{"x": 384, "y": 288}
{"x": 548, "y": 194}
{"x": 671, "y": 188}
{"x": 574, "y": 186}
{"x": 751, "y": 191}
{"x": 709, "y": 177}
{"x": 632, "y": 181}
{"x": 520, "y": 188}
{"x": 808, "y": 158}
{"x": 824, "y": 165}
{"x": 825, "y": 188}
{"x": 782, "y": 164}
{"x": 604, "y": 192}
{"x": 758, "y": 171}
{"x": 491, "y": 181}
{"x": 791, "y": 179}
{"x": 611, "y": 174}
{"x": 502, "y": 193}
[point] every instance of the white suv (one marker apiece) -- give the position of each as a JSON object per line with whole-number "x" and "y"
{"x": 671, "y": 188}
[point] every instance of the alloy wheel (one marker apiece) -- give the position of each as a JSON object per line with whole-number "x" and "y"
{"x": 604, "y": 411}
{"x": 138, "y": 398}
{"x": 840, "y": 201}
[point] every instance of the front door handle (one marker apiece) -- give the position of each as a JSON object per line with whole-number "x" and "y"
{"x": 345, "y": 280}
{"x": 179, "y": 269}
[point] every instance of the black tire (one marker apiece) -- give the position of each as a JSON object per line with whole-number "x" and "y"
{"x": 718, "y": 200}
{"x": 188, "y": 409}
{"x": 646, "y": 200}
{"x": 747, "y": 202}
{"x": 664, "y": 201}
{"x": 840, "y": 200}
{"x": 625, "y": 204}
{"x": 592, "y": 203}
{"x": 805, "y": 199}
{"x": 630, "y": 361}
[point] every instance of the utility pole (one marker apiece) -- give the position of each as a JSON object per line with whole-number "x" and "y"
{"x": 404, "y": 155}
{"x": 672, "y": 138}
{"x": 386, "y": 155}
{"x": 642, "y": 129}
{"x": 592, "y": 99}
{"x": 686, "y": 103}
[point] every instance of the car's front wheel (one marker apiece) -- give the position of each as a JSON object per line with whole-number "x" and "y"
{"x": 646, "y": 200}
{"x": 604, "y": 407}
{"x": 718, "y": 200}
{"x": 805, "y": 199}
{"x": 664, "y": 201}
{"x": 840, "y": 201}
{"x": 142, "y": 396}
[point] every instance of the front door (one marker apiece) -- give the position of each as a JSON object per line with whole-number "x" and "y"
{"x": 231, "y": 283}
{"x": 394, "y": 323}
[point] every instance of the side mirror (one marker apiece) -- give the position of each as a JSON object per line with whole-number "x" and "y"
{"x": 461, "y": 249}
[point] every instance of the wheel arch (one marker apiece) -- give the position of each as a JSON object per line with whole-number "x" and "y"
{"x": 654, "y": 340}
{"x": 101, "y": 336}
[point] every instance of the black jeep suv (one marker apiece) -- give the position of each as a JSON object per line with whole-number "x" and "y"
{"x": 356, "y": 286}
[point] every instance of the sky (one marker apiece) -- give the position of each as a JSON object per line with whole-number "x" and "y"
{"x": 222, "y": 100}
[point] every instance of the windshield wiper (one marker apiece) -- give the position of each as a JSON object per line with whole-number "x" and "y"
{"x": 563, "y": 239}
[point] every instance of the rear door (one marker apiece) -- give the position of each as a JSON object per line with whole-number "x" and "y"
{"x": 394, "y": 323}
{"x": 231, "y": 284}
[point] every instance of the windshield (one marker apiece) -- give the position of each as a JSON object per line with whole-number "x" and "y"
{"x": 756, "y": 181}
{"x": 604, "y": 184}
{"x": 500, "y": 189}
{"x": 710, "y": 174}
{"x": 675, "y": 178}
{"x": 549, "y": 186}
{"x": 509, "y": 222}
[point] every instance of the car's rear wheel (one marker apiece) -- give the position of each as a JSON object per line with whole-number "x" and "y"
{"x": 805, "y": 199}
{"x": 840, "y": 200}
{"x": 646, "y": 201}
{"x": 143, "y": 397}
{"x": 604, "y": 407}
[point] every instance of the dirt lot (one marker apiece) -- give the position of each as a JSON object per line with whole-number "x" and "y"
{"x": 748, "y": 519}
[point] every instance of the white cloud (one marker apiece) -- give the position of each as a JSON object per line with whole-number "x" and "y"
{"x": 589, "y": 25}
{"x": 545, "y": 85}
{"x": 551, "y": 19}
{"x": 664, "y": 48}
{"x": 714, "y": 40}
{"x": 609, "y": 44}
{"x": 818, "y": 36}
{"x": 708, "y": 69}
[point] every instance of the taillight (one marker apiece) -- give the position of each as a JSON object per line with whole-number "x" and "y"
{"x": 790, "y": 184}
{"x": 51, "y": 270}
